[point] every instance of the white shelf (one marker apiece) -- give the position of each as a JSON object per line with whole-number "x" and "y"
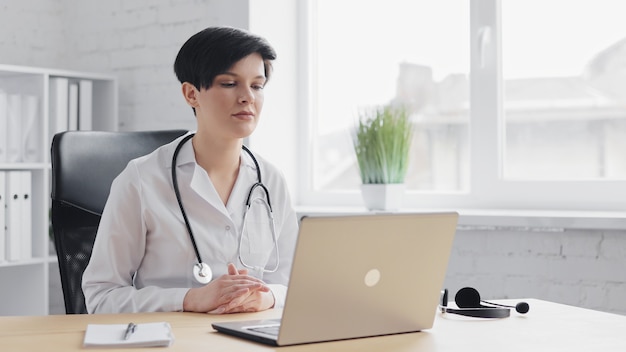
{"x": 24, "y": 166}
{"x": 26, "y": 281}
{"x": 25, "y": 262}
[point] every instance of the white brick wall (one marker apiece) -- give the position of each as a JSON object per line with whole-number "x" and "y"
{"x": 578, "y": 267}
{"x": 136, "y": 40}
{"x": 31, "y": 32}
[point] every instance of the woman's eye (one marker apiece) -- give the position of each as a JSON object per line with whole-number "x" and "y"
{"x": 227, "y": 84}
{"x": 258, "y": 87}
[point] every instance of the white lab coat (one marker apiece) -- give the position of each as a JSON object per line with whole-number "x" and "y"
{"x": 143, "y": 257}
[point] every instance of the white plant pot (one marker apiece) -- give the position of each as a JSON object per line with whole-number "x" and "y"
{"x": 383, "y": 196}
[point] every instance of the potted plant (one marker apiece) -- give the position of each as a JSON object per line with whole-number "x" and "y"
{"x": 382, "y": 141}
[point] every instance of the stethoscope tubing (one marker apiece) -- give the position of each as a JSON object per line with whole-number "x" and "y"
{"x": 179, "y": 198}
{"x": 258, "y": 184}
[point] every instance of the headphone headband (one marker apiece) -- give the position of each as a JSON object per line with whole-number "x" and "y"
{"x": 486, "y": 312}
{"x": 469, "y": 304}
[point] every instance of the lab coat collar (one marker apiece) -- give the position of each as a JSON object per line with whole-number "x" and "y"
{"x": 246, "y": 177}
{"x": 189, "y": 171}
{"x": 186, "y": 154}
{"x": 202, "y": 185}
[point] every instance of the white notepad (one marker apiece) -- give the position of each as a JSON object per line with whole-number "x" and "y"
{"x": 112, "y": 335}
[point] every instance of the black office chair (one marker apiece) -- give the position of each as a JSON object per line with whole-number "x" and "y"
{"x": 84, "y": 164}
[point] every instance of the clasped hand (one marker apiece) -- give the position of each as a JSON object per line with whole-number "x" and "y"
{"x": 234, "y": 292}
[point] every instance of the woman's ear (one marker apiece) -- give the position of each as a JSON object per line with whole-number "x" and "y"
{"x": 190, "y": 92}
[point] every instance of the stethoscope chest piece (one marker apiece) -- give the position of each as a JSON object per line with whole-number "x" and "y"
{"x": 202, "y": 273}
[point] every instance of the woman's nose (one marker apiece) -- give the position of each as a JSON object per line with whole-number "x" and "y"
{"x": 246, "y": 96}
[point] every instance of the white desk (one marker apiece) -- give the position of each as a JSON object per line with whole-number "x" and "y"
{"x": 547, "y": 327}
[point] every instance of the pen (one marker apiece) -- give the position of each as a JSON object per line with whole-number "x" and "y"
{"x": 130, "y": 329}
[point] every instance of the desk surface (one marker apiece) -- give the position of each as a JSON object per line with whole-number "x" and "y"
{"x": 547, "y": 327}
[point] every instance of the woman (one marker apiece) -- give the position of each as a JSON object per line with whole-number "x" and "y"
{"x": 144, "y": 258}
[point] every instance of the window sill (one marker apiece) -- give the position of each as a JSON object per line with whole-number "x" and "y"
{"x": 509, "y": 220}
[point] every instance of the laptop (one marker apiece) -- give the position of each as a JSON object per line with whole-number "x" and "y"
{"x": 359, "y": 276}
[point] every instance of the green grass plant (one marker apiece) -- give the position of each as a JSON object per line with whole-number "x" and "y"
{"x": 381, "y": 143}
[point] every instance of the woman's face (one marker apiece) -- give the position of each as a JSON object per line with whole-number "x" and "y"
{"x": 232, "y": 106}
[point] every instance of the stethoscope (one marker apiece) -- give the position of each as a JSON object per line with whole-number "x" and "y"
{"x": 201, "y": 270}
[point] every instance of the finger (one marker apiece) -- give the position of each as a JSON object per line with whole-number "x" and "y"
{"x": 243, "y": 272}
{"x": 229, "y": 289}
{"x": 245, "y": 299}
{"x": 239, "y": 308}
{"x": 246, "y": 277}
{"x": 218, "y": 310}
{"x": 235, "y": 297}
{"x": 237, "y": 302}
{"x": 233, "y": 293}
{"x": 263, "y": 288}
{"x": 232, "y": 269}
{"x": 246, "y": 302}
{"x": 251, "y": 304}
{"x": 243, "y": 283}
{"x": 252, "y": 287}
{"x": 232, "y": 305}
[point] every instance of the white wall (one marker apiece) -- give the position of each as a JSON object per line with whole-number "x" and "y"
{"x": 584, "y": 268}
{"x": 32, "y": 33}
{"x": 138, "y": 41}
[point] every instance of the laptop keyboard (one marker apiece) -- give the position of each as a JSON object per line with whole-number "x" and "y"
{"x": 269, "y": 330}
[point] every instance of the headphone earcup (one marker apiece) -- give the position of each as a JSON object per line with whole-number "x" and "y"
{"x": 468, "y": 297}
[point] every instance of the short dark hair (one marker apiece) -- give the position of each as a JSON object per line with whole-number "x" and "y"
{"x": 214, "y": 50}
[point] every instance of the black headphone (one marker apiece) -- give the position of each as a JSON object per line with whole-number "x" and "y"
{"x": 469, "y": 303}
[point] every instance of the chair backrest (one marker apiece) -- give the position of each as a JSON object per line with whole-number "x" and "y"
{"x": 84, "y": 164}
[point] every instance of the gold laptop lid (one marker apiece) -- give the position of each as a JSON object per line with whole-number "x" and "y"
{"x": 366, "y": 275}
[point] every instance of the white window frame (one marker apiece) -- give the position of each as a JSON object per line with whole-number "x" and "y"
{"x": 488, "y": 190}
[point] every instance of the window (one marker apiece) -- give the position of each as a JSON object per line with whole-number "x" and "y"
{"x": 564, "y": 89}
{"x": 516, "y": 104}
{"x": 388, "y": 53}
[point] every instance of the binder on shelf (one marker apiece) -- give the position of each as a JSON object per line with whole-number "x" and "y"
{"x": 4, "y": 130}
{"x": 18, "y": 215}
{"x": 30, "y": 136}
{"x": 72, "y": 123}
{"x": 13, "y": 216}
{"x": 25, "y": 203}
{"x": 3, "y": 190}
{"x": 85, "y": 96}
{"x": 59, "y": 105}
{"x": 14, "y": 128}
